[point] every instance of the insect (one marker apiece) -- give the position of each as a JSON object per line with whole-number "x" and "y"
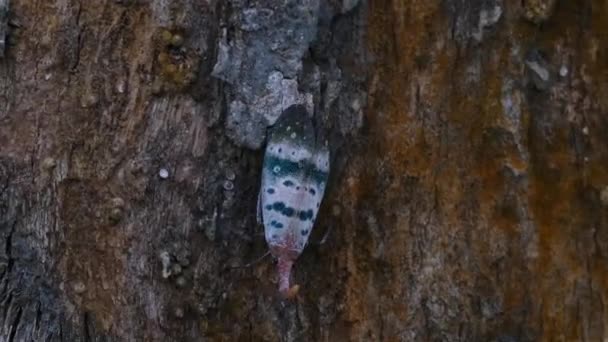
{"x": 294, "y": 177}
{"x": 3, "y": 25}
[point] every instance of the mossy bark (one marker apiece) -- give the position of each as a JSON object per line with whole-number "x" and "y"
{"x": 469, "y": 158}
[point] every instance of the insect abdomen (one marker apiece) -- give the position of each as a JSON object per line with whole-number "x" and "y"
{"x": 293, "y": 182}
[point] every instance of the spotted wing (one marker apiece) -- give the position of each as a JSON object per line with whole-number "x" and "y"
{"x": 293, "y": 181}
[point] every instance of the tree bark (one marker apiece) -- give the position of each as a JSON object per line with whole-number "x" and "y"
{"x": 467, "y": 199}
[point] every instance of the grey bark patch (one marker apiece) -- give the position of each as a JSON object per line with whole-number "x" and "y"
{"x": 487, "y": 18}
{"x": 261, "y": 61}
{"x": 348, "y": 5}
{"x": 471, "y": 19}
{"x": 539, "y": 70}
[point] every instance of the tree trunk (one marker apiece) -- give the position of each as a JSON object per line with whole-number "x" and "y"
{"x": 468, "y": 192}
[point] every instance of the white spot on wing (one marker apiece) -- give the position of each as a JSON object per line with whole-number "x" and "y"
{"x": 290, "y": 152}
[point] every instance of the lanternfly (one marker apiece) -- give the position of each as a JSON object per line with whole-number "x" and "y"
{"x": 294, "y": 176}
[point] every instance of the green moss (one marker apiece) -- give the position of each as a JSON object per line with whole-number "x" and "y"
{"x": 176, "y": 65}
{"x": 166, "y": 36}
{"x": 177, "y": 40}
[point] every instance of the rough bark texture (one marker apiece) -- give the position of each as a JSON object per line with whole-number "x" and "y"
{"x": 468, "y": 195}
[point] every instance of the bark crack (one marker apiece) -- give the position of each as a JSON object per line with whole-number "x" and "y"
{"x": 15, "y": 325}
{"x": 79, "y": 39}
{"x": 10, "y": 259}
{"x": 8, "y": 247}
{"x": 87, "y": 333}
{"x": 7, "y": 304}
{"x": 38, "y": 317}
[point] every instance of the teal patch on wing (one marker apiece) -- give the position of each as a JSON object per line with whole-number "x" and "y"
{"x": 281, "y": 168}
{"x": 294, "y": 176}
